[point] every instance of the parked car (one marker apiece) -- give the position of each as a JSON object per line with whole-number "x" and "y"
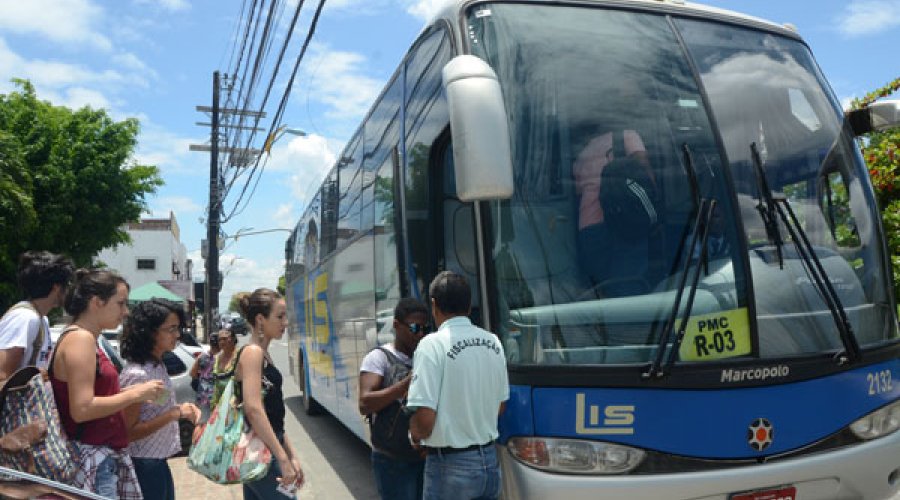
{"x": 110, "y": 347}
{"x": 239, "y": 326}
{"x": 113, "y": 336}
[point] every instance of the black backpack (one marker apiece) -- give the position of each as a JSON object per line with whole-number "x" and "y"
{"x": 627, "y": 195}
{"x": 390, "y": 426}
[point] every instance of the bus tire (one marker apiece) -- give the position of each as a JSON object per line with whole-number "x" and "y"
{"x": 310, "y": 405}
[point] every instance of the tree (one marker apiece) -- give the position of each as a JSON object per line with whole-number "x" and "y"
{"x": 68, "y": 181}
{"x": 234, "y": 303}
{"x": 881, "y": 151}
{"x": 282, "y": 285}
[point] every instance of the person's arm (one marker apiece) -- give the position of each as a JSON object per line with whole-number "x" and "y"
{"x": 635, "y": 149}
{"x": 422, "y": 423}
{"x": 424, "y": 390}
{"x": 80, "y": 358}
{"x": 10, "y": 360}
{"x": 139, "y": 430}
{"x": 195, "y": 369}
{"x": 295, "y": 461}
{"x": 372, "y": 399}
{"x": 249, "y": 373}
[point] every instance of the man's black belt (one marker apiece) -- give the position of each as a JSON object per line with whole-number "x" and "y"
{"x": 448, "y": 450}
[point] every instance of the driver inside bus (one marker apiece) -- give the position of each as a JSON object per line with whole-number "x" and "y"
{"x": 602, "y": 256}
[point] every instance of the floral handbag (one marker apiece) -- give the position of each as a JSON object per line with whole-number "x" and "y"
{"x": 33, "y": 439}
{"x": 226, "y": 450}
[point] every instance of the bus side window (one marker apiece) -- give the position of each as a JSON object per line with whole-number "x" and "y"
{"x": 350, "y": 188}
{"x": 329, "y": 214}
{"x": 426, "y": 118}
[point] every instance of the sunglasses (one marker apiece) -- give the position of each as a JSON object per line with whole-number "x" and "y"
{"x": 417, "y": 328}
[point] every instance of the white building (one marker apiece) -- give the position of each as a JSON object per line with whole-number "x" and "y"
{"x": 154, "y": 254}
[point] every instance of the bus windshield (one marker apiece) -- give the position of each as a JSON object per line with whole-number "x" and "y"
{"x": 615, "y": 149}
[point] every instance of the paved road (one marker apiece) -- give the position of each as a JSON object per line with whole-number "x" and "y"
{"x": 335, "y": 461}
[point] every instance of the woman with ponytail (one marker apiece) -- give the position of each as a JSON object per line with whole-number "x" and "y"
{"x": 260, "y": 384}
{"x": 86, "y": 385}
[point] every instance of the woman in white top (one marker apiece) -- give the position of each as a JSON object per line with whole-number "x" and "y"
{"x": 152, "y": 329}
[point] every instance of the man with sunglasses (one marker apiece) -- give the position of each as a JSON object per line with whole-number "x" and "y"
{"x": 459, "y": 387}
{"x": 384, "y": 378}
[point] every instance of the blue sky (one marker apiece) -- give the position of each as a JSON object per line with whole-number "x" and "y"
{"x": 154, "y": 59}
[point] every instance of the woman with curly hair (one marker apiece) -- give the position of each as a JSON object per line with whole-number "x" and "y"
{"x": 152, "y": 329}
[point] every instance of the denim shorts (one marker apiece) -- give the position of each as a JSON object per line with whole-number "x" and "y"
{"x": 106, "y": 481}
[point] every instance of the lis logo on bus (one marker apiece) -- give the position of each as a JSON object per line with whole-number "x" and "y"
{"x": 760, "y": 434}
{"x": 617, "y": 419}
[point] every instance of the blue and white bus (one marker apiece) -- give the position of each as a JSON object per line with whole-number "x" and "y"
{"x": 744, "y": 348}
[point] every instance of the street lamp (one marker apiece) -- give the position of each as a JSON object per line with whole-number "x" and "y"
{"x": 280, "y": 131}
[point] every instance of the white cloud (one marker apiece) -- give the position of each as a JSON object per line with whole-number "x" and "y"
{"x": 169, "y": 151}
{"x": 425, "y": 9}
{"x": 243, "y": 274}
{"x": 336, "y": 79}
{"x": 285, "y": 216}
{"x": 869, "y": 17}
{"x": 180, "y": 205}
{"x": 307, "y": 159}
{"x": 62, "y": 83}
{"x": 66, "y": 21}
{"x": 78, "y": 97}
{"x": 133, "y": 63}
{"x": 169, "y": 5}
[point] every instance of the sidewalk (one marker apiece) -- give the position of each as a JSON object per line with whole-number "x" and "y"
{"x": 192, "y": 486}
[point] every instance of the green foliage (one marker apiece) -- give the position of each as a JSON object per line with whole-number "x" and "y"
{"x": 68, "y": 181}
{"x": 881, "y": 151}
{"x": 234, "y": 303}
{"x": 282, "y": 285}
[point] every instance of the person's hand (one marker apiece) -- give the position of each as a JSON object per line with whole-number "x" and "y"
{"x": 148, "y": 391}
{"x": 299, "y": 481}
{"x": 289, "y": 474}
{"x": 190, "y": 412}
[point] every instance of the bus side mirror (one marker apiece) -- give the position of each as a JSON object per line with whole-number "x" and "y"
{"x": 480, "y": 131}
{"x": 875, "y": 117}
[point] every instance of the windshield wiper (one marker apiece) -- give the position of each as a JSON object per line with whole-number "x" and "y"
{"x": 699, "y": 236}
{"x": 766, "y": 206}
{"x": 815, "y": 269}
{"x": 811, "y": 261}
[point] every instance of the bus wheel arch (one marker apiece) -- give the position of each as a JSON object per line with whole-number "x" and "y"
{"x": 310, "y": 405}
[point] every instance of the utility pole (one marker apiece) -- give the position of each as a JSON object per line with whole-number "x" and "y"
{"x": 212, "y": 223}
{"x": 238, "y": 158}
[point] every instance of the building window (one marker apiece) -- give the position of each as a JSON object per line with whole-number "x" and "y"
{"x": 146, "y": 264}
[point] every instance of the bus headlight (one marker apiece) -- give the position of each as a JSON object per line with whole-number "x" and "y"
{"x": 880, "y": 422}
{"x": 574, "y": 456}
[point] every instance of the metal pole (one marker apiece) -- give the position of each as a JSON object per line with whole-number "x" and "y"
{"x": 212, "y": 225}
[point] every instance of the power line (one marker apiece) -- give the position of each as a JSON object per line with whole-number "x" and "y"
{"x": 279, "y": 113}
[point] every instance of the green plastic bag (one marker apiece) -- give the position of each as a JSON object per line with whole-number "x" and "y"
{"x": 226, "y": 450}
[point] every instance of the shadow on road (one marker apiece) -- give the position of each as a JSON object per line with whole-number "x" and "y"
{"x": 347, "y": 454}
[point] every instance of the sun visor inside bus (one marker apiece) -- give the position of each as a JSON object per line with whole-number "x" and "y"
{"x": 480, "y": 130}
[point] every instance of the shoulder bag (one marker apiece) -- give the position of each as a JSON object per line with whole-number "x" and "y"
{"x": 33, "y": 439}
{"x": 226, "y": 450}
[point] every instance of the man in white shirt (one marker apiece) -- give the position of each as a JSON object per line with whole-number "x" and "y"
{"x": 24, "y": 329}
{"x": 459, "y": 387}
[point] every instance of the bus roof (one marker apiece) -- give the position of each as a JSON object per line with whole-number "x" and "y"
{"x": 450, "y": 9}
